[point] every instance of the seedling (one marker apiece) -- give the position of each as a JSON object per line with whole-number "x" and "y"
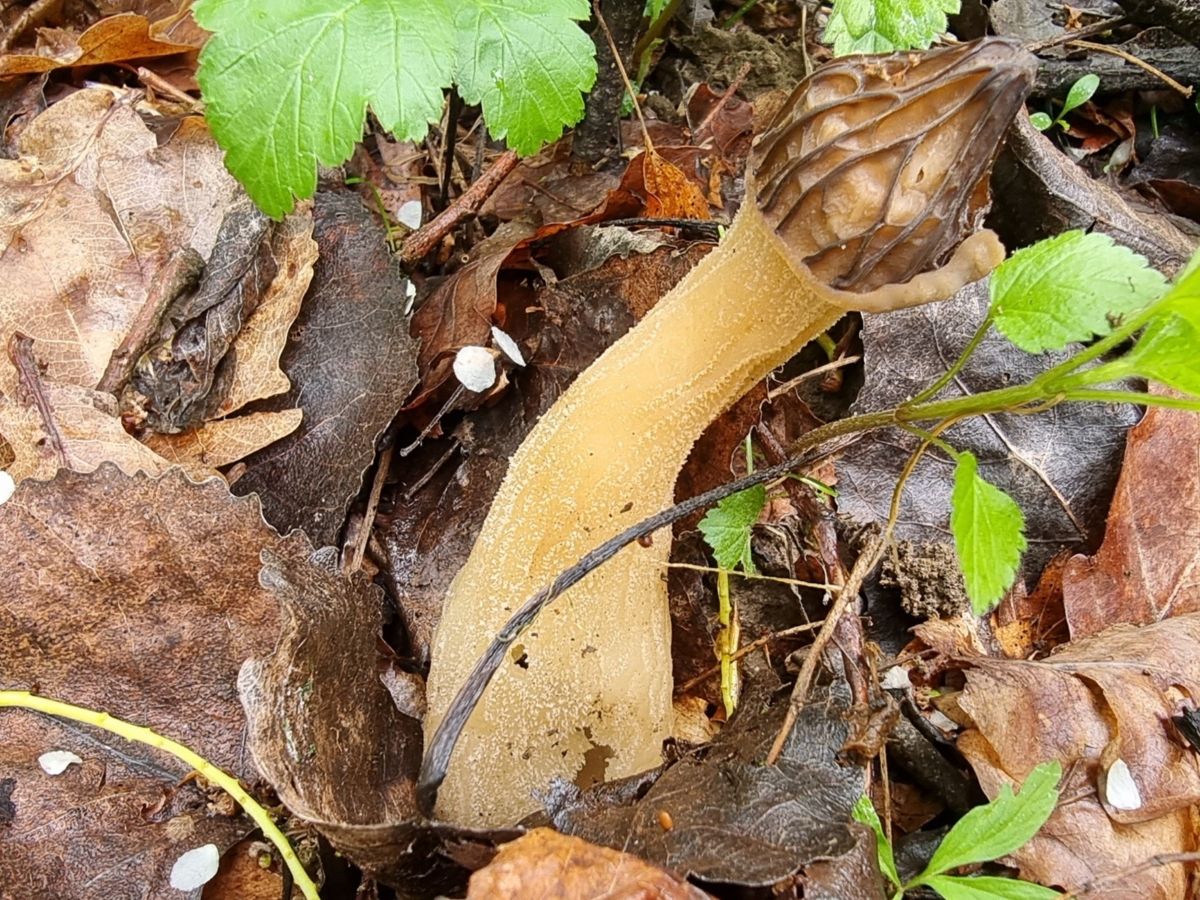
{"x": 985, "y": 833}
{"x": 1080, "y": 93}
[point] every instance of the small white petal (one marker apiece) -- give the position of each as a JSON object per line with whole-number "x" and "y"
{"x": 475, "y": 367}
{"x": 410, "y": 296}
{"x": 942, "y": 721}
{"x": 1120, "y": 790}
{"x": 410, "y": 214}
{"x": 508, "y": 345}
{"x": 195, "y": 868}
{"x": 896, "y": 678}
{"x": 56, "y": 762}
{"x": 7, "y": 486}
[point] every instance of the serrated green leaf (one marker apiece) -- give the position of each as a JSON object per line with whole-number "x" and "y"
{"x": 1067, "y": 288}
{"x": 864, "y": 812}
{"x": 526, "y": 62}
{"x": 882, "y": 26}
{"x": 953, "y": 887}
{"x": 1040, "y": 121}
{"x": 989, "y": 535}
{"x": 726, "y": 527}
{"x": 1081, "y": 92}
{"x": 1169, "y": 349}
{"x": 287, "y": 85}
{"x": 1001, "y": 826}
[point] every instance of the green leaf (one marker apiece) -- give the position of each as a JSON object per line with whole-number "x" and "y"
{"x": 726, "y": 528}
{"x": 526, "y": 62}
{"x": 1081, "y": 92}
{"x": 287, "y": 85}
{"x": 999, "y": 827}
{"x": 864, "y": 812}
{"x": 654, "y": 8}
{"x": 881, "y": 26}
{"x": 1040, "y": 121}
{"x": 1067, "y": 288}
{"x": 1169, "y": 349}
{"x": 989, "y": 535}
{"x": 953, "y": 887}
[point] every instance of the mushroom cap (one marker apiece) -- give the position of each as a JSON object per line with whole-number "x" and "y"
{"x": 876, "y": 169}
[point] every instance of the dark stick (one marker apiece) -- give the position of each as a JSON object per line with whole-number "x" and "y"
{"x": 29, "y": 376}
{"x": 445, "y": 737}
{"x": 453, "y": 108}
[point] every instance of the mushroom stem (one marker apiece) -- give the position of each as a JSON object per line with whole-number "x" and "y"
{"x": 585, "y": 693}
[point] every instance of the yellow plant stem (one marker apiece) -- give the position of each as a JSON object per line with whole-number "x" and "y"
{"x": 131, "y": 732}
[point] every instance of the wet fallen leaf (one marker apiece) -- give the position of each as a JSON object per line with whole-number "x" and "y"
{"x": 1097, "y": 701}
{"x": 89, "y": 166}
{"x": 1148, "y": 568}
{"x": 224, "y": 441}
{"x": 1060, "y": 467}
{"x": 114, "y": 39}
{"x": 138, "y": 597}
{"x": 733, "y": 819}
{"x": 544, "y": 863}
{"x": 351, "y": 363}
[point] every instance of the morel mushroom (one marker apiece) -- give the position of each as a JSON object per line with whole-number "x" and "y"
{"x": 857, "y": 198}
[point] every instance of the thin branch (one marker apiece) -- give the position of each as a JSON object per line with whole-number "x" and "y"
{"x": 1141, "y": 63}
{"x": 29, "y": 376}
{"x": 747, "y": 649}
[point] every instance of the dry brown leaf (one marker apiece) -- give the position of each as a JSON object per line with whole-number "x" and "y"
{"x": 115, "y": 39}
{"x": 1101, "y": 699}
{"x": 256, "y": 351}
{"x": 85, "y": 431}
{"x": 89, "y": 214}
{"x": 1148, "y": 568}
{"x": 549, "y": 865}
{"x": 224, "y": 441}
{"x": 670, "y": 194}
{"x": 139, "y": 597}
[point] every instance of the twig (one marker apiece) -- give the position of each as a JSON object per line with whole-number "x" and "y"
{"x": 612, "y": 45}
{"x": 433, "y": 423}
{"x": 1158, "y": 859}
{"x": 844, "y": 361}
{"x": 755, "y": 576}
{"x": 729, "y": 92}
{"x": 20, "y": 351}
{"x": 1067, "y": 36}
{"x": 747, "y": 649}
{"x": 707, "y": 227}
{"x": 1130, "y": 58}
{"x": 153, "y": 80}
{"x": 816, "y": 445}
{"x": 422, "y": 241}
{"x": 866, "y": 562}
{"x": 449, "y": 137}
{"x": 430, "y": 472}
{"x": 364, "y": 531}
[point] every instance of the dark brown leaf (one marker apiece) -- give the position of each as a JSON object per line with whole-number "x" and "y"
{"x": 351, "y": 363}
{"x": 138, "y": 597}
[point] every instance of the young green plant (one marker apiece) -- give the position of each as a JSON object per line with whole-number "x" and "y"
{"x": 985, "y": 833}
{"x": 1080, "y": 93}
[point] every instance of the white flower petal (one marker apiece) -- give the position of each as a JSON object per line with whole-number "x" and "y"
{"x": 896, "y": 678}
{"x": 1120, "y": 790}
{"x": 409, "y": 214}
{"x": 475, "y": 367}
{"x": 7, "y": 486}
{"x": 55, "y": 762}
{"x": 195, "y": 868}
{"x": 508, "y": 346}
{"x": 410, "y": 296}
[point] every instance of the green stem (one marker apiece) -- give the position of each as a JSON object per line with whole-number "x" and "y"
{"x": 1096, "y": 350}
{"x": 131, "y": 732}
{"x": 1136, "y": 397}
{"x": 976, "y": 340}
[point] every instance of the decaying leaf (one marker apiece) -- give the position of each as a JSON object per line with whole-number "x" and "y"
{"x": 114, "y": 39}
{"x": 1099, "y": 700}
{"x": 138, "y": 597}
{"x": 544, "y": 863}
{"x": 90, "y": 167}
{"x": 733, "y": 819}
{"x": 1060, "y": 467}
{"x": 223, "y": 441}
{"x": 351, "y": 363}
{"x": 1149, "y": 566}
